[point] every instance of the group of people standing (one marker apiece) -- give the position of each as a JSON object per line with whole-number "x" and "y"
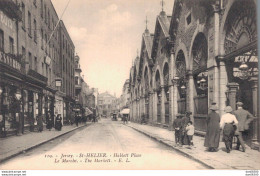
{"x": 184, "y": 130}
{"x": 232, "y": 123}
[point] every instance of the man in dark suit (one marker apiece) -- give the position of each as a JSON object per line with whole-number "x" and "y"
{"x": 244, "y": 118}
{"x": 177, "y": 124}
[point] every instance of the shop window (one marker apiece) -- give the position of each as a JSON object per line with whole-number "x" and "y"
{"x": 1, "y": 40}
{"x": 11, "y": 45}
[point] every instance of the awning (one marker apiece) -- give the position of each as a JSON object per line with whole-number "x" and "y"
{"x": 88, "y": 111}
{"x": 125, "y": 111}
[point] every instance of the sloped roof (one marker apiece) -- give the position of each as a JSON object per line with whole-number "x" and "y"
{"x": 164, "y": 22}
{"x": 148, "y": 40}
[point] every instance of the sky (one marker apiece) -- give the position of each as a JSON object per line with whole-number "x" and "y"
{"x": 107, "y": 35}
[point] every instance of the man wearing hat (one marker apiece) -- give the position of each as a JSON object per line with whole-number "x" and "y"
{"x": 177, "y": 124}
{"x": 213, "y": 132}
{"x": 227, "y": 123}
{"x": 244, "y": 118}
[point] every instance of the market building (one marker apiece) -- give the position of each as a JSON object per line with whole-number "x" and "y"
{"x": 206, "y": 52}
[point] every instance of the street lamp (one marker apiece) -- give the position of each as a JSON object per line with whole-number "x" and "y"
{"x": 183, "y": 89}
{"x": 244, "y": 71}
{"x": 1, "y": 90}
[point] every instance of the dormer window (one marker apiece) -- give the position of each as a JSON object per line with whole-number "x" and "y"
{"x": 188, "y": 19}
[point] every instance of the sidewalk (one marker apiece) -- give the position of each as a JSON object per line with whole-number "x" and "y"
{"x": 249, "y": 160}
{"x": 15, "y": 145}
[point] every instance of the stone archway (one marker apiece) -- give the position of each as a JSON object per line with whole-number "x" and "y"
{"x": 200, "y": 77}
{"x": 158, "y": 95}
{"x": 240, "y": 48}
{"x": 166, "y": 93}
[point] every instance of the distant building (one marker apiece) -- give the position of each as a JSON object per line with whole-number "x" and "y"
{"x": 105, "y": 104}
{"x": 125, "y": 97}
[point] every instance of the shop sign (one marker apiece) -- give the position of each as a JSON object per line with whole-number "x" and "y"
{"x": 6, "y": 21}
{"x": 9, "y": 60}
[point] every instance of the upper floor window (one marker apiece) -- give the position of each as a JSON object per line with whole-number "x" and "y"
{"x": 29, "y": 24}
{"x": 42, "y": 8}
{"x": 23, "y": 15}
{"x": 35, "y": 30}
{"x": 1, "y": 40}
{"x": 11, "y": 45}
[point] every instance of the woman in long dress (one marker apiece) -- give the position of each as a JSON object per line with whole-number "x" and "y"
{"x": 213, "y": 131}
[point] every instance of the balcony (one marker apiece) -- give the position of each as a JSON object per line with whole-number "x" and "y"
{"x": 11, "y": 60}
{"x": 37, "y": 78}
{"x": 11, "y": 9}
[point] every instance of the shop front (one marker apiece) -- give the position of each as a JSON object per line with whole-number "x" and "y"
{"x": 11, "y": 94}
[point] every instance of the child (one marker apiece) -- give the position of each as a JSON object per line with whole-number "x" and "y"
{"x": 177, "y": 124}
{"x": 190, "y": 133}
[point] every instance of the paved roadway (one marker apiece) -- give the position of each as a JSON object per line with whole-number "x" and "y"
{"x": 103, "y": 145}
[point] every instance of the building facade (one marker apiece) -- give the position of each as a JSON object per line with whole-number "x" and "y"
{"x": 106, "y": 104}
{"x": 124, "y": 100}
{"x": 31, "y": 49}
{"x": 205, "y": 52}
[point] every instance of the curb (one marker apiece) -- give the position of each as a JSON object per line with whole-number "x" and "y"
{"x": 39, "y": 144}
{"x": 176, "y": 149}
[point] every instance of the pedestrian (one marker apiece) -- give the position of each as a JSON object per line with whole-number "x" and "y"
{"x": 49, "y": 121}
{"x": 58, "y": 123}
{"x": 185, "y": 121}
{"x": 39, "y": 123}
{"x": 244, "y": 118}
{"x": 228, "y": 123}
{"x": 77, "y": 119}
{"x": 177, "y": 128}
{"x": 190, "y": 132}
{"x": 213, "y": 131}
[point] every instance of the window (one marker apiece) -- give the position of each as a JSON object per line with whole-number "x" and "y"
{"x": 42, "y": 68}
{"x": 24, "y": 54}
{"x": 188, "y": 19}
{"x": 35, "y": 64}
{"x": 42, "y": 38}
{"x": 11, "y": 45}
{"x": 29, "y": 24}
{"x": 42, "y": 8}
{"x": 46, "y": 70}
{"x": 35, "y": 30}
{"x": 30, "y": 60}
{"x": 1, "y": 40}
{"x": 23, "y": 15}
{"x": 34, "y": 2}
{"x": 49, "y": 20}
{"x": 45, "y": 13}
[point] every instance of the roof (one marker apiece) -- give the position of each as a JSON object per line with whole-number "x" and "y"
{"x": 164, "y": 22}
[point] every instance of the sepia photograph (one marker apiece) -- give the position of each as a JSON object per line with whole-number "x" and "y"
{"x": 116, "y": 85}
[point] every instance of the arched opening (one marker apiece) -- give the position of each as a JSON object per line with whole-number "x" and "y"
{"x": 159, "y": 95}
{"x": 182, "y": 87}
{"x": 200, "y": 76}
{"x": 166, "y": 92}
{"x": 241, "y": 58}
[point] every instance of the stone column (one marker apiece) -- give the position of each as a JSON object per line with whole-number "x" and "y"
{"x": 222, "y": 87}
{"x": 150, "y": 107}
{"x": 231, "y": 94}
{"x": 256, "y": 122}
{"x": 171, "y": 112}
{"x": 154, "y": 107}
{"x": 163, "y": 105}
{"x": 189, "y": 94}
